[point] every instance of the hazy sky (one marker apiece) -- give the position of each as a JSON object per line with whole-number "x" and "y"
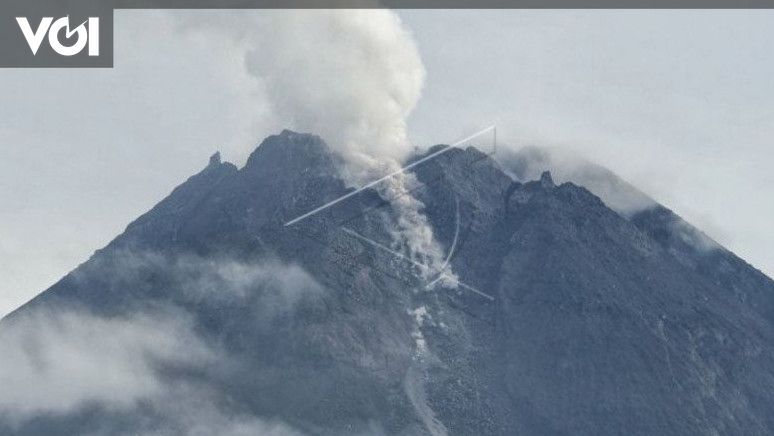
{"x": 678, "y": 102}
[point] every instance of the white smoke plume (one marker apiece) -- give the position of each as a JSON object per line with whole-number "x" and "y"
{"x": 351, "y": 76}
{"x": 412, "y": 230}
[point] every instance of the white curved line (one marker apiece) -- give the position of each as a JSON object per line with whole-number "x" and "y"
{"x": 454, "y": 241}
{"x": 412, "y": 261}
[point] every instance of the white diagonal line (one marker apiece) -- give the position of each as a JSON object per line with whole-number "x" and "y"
{"x": 392, "y": 174}
{"x": 383, "y": 247}
{"x": 414, "y": 262}
{"x": 474, "y": 290}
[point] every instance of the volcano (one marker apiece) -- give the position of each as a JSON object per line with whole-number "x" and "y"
{"x": 569, "y": 315}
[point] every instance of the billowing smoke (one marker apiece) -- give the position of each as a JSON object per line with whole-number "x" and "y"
{"x": 412, "y": 230}
{"x": 351, "y": 76}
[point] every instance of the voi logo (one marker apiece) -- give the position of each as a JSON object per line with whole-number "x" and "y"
{"x": 87, "y": 34}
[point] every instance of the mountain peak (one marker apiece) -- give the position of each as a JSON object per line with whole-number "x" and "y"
{"x": 316, "y": 326}
{"x": 287, "y": 133}
{"x": 291, "y": 148}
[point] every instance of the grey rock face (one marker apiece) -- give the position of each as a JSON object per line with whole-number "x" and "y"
{"x": 573, "y": 318}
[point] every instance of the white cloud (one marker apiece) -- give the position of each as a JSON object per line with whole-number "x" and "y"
{"x": 273, "y": 287}
{"x": 56, "y": 363}
{"x": 565, "y": 165}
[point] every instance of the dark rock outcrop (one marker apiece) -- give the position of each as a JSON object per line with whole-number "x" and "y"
{"x": 598, "y": 323}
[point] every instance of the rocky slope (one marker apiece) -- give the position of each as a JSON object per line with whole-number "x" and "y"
{"x": 571, "y": 318}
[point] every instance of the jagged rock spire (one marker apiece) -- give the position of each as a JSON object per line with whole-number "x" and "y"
{"x": 215, "y": 159}
{"x": 546, "y": 180}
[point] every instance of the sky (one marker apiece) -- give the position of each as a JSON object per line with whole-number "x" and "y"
{"x": 676, "y": 102}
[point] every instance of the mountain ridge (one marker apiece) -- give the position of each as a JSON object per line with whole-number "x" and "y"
{"x": 598, "y": 323}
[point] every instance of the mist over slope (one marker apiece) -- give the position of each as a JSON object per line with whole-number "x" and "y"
{"x": 573, "y": 315}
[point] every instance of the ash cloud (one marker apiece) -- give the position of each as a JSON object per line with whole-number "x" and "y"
{"x": 351, "y": 76}
{"x": 411, "y": 229}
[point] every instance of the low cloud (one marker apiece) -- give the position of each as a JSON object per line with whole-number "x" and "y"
{"x": 56, "y": 363}
{"x": 566, "y": 166}
{"x": 271, "y": 286}
{"x": 59, "y": 363}
{"x": 693, "y": 237}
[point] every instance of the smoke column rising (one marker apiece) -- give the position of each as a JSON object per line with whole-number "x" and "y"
{"x": 353, "y": 77}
